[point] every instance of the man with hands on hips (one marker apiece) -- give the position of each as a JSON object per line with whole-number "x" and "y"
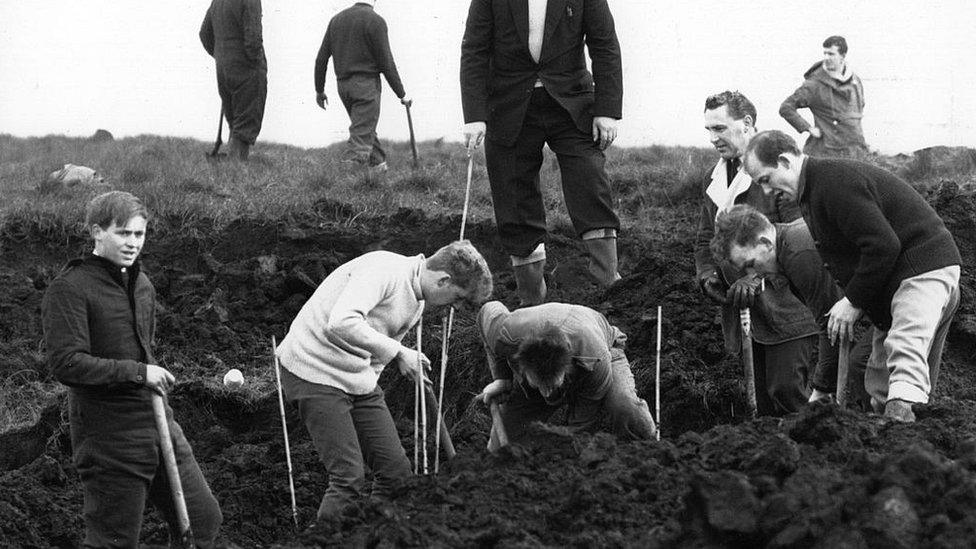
{"x": 525, "y": 84}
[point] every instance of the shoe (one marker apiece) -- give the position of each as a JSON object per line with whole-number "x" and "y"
{"x": 820, "y": 396}
{"x": 603, "y": 260}
{"x": 899, "y": 410}
{"x": 531, "y": 283}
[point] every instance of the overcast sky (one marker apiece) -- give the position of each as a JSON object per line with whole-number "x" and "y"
{"x": 70, "y": 67}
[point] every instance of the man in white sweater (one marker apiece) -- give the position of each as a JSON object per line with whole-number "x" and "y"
{"x": 341, "y": 340}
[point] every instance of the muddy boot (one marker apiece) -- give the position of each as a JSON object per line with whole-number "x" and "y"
{"x": 531, "y": 283}
{"x": 239, "y": 149}
{"x": 899, "y": 410}
{"x": 603, "y": 259}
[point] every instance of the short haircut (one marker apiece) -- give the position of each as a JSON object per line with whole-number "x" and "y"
{"x": 738, "y": 105}
{"x": 468, "y": 269}
{"x": 114, "y": 206}
{"x": 838, "y": 41}
{"x": 740, "y": 225}
{"x": 547, "y": 354}
{"x": 768, "y": 145}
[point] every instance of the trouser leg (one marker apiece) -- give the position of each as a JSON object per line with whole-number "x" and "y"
{"x": 784, "y": 371}
{"x": 327, "y": 414}
{"x": 360, "y": 96}
{"x": 629, "y": 413}
{"x": 380, "y": 442}
{"x": 201, "y": 505}
{"x": 244, "y": 91}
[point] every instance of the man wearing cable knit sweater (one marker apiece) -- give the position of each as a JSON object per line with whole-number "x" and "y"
{"x": 342, "y": 339}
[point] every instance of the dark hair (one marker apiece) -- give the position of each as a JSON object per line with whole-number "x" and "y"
{"x": 738, "y": 105}
{"x": 114, "y": 206}
{"x": 740, "y": 225}
{"x": 468, "y": 269}
{"x": 768, "y": 145}
{"x": 547, "y": 353}
{"x": 838, "y": 41}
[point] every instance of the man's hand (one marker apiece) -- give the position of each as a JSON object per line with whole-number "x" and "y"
{"x": 406, "y": 101}
{"x": 474, "y": 134}
{"x": 841, "y": 319}
{"x": 159, "y": 379}
{"x": 604, "y": 130}
{"x": 815, "y": 132}
{"x": 496, "y": 391}
{"x": 713, "y": 287}
{"x": 322, "y": 100}
{"x": 407, "y": 362}
{"x": 744, "y": 291}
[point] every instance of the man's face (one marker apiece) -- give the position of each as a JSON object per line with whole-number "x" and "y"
{"x": 784, "y": 176}
{"x": 728, "y": 135}
{"x": 546, "y": 388}
{"x": 754, "y": 258}
{"x": 445, "y": 292}
{"x": 833, "y": 59}
{"x": 121, "y": 244}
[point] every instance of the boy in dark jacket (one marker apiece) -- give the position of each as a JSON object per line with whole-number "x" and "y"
{"x": 98, "y": 318}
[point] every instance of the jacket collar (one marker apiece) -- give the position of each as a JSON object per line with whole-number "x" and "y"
{"x": 117, "y": 273}
{"x": 721, "y": 192}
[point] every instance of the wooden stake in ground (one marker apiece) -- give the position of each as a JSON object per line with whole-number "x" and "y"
{"x": 745, "y": 320}
{"x": 657, "y": 376}
{"x": 423, "y": 395}
{"x": 284, "y": 430}
{"x": 172, "y": 472}
{"x": 843, "y": 369}
{"x": 498, "y": 425}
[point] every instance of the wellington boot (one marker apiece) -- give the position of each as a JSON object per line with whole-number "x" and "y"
{"x": 531, "y": 283}
{"x": 603, "y": 260}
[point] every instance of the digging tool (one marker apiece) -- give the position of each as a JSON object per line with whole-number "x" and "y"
{"x": 220, "y": 134}
{"x": 498, "y": 425}
{"x": 413, "y": 141}
{"x": 745, "y": 320}
{"x": 284, "y": 429}
{"x": 657, "y": 376}
{"x": 172, "y": 472}
{"x": 843, "y": 369}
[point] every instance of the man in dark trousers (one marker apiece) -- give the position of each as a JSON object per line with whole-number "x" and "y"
{"x": 357, "y": 40}
{"x": 98, "y": 318}
{"x": 888, "y": 249}
{"x": 231, "y": 34}
{"x": 524, "y": 84}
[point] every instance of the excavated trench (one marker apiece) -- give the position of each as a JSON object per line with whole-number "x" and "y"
{"x": 825, "y": 477}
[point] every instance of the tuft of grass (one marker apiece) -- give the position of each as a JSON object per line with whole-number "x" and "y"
{"x": 23, "y": 395}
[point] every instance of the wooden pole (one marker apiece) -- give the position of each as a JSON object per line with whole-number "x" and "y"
{"x": 843, "y": 370}
{"x": 284, "y": 429}
{"x": 747, "y": 361}
{"x": 657, "y": 376}
{"x": 172, "y": 471}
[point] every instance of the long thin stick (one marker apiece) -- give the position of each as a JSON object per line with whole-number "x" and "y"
{"x": 416, "y": 426}
{"x": 498, "y": 424}
{"x": 172, "y": 472}
{"x": 423, "y": 395}
{"x": 843, "y": 369}
{"x": 745, "y": 320}
{"x": 467, "y": 196}
{"x": 657, "y": 376}
{"x": 413, "y": 142}
{"x": 284, "y": 429}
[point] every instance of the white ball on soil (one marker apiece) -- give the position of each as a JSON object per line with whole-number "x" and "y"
{"x": 233, "y": 378}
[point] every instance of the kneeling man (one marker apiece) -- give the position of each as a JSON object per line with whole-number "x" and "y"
{"x": 553, "y": 354}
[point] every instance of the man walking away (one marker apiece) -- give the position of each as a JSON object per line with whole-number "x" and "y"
{"x": 357, "y": 40}
{"x": 231, "y": 34}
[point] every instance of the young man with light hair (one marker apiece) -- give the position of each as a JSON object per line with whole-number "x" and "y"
{"x": 887, "y": 248}
{"x": 783, "y": 330}
{"x": 556, "y": 354}
{"x": 342, "y": 339}
{"x": 99, "y": 320}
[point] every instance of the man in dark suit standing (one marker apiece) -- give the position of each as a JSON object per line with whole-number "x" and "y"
{"x": 524, "y": 83}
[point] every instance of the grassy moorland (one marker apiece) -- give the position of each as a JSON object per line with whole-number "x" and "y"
{"x": 656, "y": 190}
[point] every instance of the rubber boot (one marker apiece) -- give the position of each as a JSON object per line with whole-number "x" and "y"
{"x": 603, "y": 260}
{"x": 531, "y": 283}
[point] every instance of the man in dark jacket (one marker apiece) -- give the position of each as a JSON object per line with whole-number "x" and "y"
{"x": 357, "y": 40}
{"x": 524, "y": 84}
{"x": 835, "y": 97}
{"x": 783, "y": 330}
{"x": 98, "y": 319}
{"x": 556, "y": 354}
{"x": 231, "y": 34}
{"x": 888, "y": 249}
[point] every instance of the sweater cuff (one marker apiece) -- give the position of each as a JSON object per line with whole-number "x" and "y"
{"x": 138, "y": 374}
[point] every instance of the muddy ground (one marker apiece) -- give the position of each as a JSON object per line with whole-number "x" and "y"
{"x": 822, "y": 478}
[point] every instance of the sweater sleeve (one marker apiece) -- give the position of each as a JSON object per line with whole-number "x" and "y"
{"x": 489, "y": 324}
{"x": 68, "y": 342}
{"x": 207, "y": 33}
{"x": 347, "y": 320}
{"x": 593, "y": 357}
{"x": 380, "y": 41}
{"x": 253, "y": 33}
{"x": 799, "y": 100}
{"x": 476, "y": 49}
{"x": 322, "y": 60}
